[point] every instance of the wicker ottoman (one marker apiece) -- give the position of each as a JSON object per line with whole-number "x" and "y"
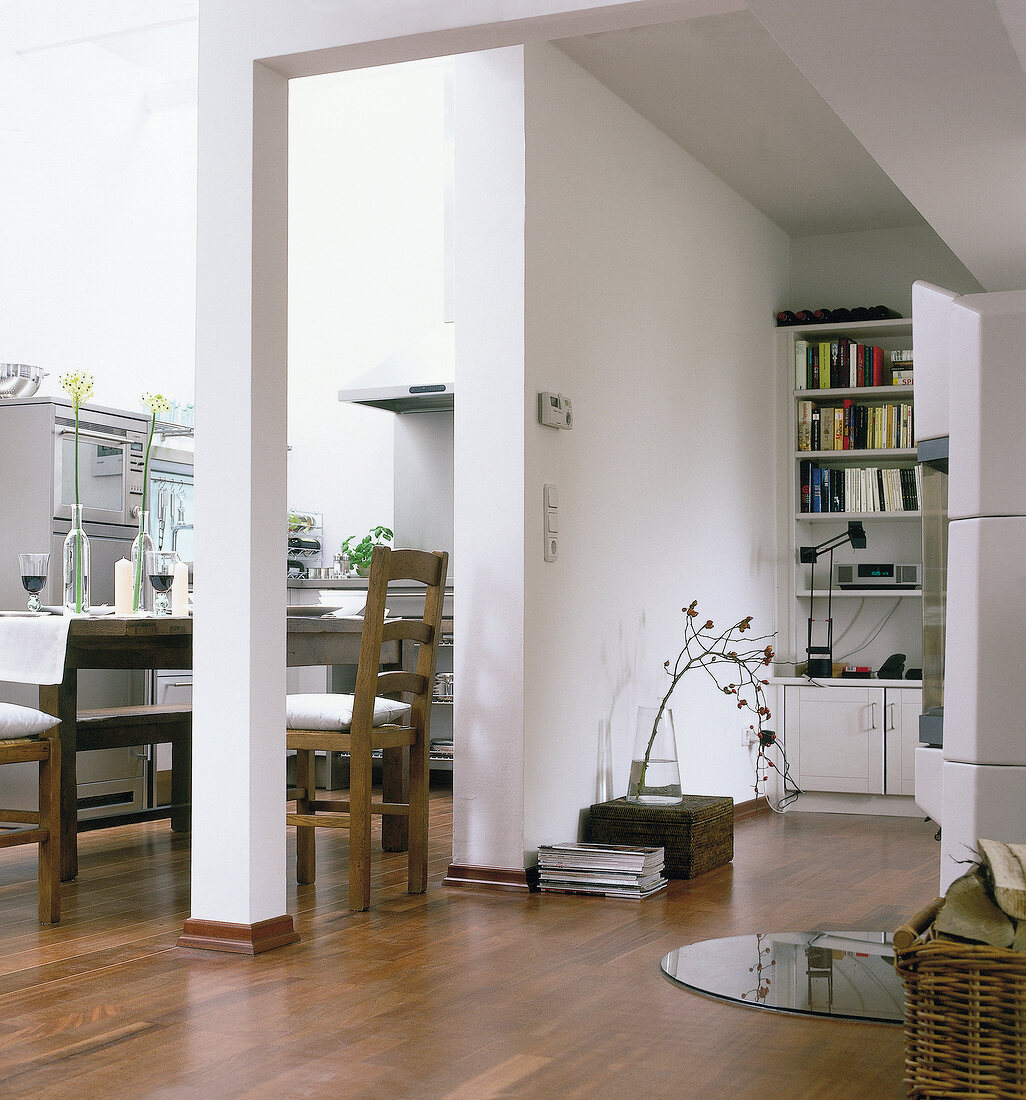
{"x": 697, "y": 835}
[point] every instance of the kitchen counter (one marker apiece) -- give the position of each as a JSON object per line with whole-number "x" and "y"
{"x": 347, "y": 584}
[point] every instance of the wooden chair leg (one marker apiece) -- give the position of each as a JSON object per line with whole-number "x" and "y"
{"x": 50, "y": 848}
{"x": 306, "y": 853}
{"x": 359, "y": 830}
{"x": 181, "y": 784}
{"x": 418, "y": 819}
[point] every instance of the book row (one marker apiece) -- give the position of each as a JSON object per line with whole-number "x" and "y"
{"x": 859, "y": 489}
{"x": 854, "y": 426}
{"x": 843, "y": 364}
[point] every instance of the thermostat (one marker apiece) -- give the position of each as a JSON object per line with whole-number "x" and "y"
{"x": 555, "y": 410}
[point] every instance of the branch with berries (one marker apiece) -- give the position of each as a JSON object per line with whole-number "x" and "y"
{"x": 721, "y": 654}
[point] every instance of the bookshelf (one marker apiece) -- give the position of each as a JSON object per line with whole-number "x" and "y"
{"x": 850, "y": 742}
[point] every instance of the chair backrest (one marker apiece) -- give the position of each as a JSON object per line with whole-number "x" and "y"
{"x": 416, "y": 685}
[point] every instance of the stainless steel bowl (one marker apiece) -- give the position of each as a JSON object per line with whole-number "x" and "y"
{"x": 19, "y": 380}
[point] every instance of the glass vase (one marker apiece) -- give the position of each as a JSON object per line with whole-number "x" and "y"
{"x": 76, "y": 566}
{"x": 655, "y": 775}
{"x": 142, "y": 591}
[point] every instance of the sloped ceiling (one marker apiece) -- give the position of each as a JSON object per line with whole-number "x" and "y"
{"x": 936, "y": 93}
{"x": 722, "y": 89}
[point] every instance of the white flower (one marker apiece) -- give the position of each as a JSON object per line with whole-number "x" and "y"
{"x": 79, "y": 387}
{"x": 157, "y": 403}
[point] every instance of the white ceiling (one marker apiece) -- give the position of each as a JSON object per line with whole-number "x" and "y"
{"x": 722, "y": 89}
{"x": 827, "y": 115}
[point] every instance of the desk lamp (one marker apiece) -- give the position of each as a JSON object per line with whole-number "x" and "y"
{"x": 821, "y": 658}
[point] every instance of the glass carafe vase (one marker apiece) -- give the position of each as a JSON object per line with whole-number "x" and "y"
{"x": 76, "y": 566}
{"x": 655, "y": 774}
{"x": 142, "y": 590}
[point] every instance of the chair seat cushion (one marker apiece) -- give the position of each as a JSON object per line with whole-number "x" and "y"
{"x": 16, "y": 721}
{"x": 320, "y": 711}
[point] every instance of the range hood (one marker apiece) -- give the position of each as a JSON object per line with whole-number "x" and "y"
{"x": 417, "y": 379}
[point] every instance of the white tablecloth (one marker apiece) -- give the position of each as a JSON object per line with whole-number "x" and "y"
{"x": 32, "y": 650}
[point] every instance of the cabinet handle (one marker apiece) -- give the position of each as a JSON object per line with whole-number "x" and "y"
{"x": 872, "y": 724}
{"x": 180, "y": 684}
{"x": 890, "y": 717}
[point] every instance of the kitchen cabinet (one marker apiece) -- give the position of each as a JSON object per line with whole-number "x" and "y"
{"x": 856, "y": 742}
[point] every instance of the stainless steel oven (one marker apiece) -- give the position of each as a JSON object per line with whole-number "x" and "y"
{"x": 111, "y": 453}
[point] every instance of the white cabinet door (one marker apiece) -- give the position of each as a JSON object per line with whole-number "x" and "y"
{"x": 902, "y": 707}
{"x": 834, "y": 737}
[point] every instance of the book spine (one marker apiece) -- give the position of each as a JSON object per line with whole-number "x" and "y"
{"x": 801, "y": 364}
{"x": 805, "y": 483}
{"x": 804, "y": 425}
{"x": 849, "y": 410}
{"x": 839, "y": 428}
{"x": 815, "y": 432}
{"x": 817, "y": 490}
{"x": 860, "y": 364}
{"x": 824, "y": 364}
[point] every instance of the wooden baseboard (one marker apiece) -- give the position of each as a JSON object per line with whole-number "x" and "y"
{"x": 491, "y": 878}
{"x": 750, "y": 808}
{"x": 239, "y": 939}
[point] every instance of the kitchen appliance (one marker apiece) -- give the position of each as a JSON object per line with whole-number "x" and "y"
{"x": 417, "y": 379}
{"x": 969, "y": 361}
{"x": 36, "y": 507}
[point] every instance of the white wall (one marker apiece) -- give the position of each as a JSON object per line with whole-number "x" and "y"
{"x": 99, "y": 228}
{"x": 870, "y": 268}
{"x": 367, "y": 168}
{"x": 650, "y": 288}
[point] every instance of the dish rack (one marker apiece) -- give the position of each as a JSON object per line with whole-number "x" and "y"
{"x": 305, "y": 539}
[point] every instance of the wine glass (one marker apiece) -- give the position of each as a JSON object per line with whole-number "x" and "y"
{"x": 160, "y": 568}
{"x": 33, "y": 576}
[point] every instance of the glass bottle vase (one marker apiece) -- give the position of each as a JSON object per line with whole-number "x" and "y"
{"x": 76, "y": 566}
{"x": 142, "y": 591}
{"x": 655, "y": 774}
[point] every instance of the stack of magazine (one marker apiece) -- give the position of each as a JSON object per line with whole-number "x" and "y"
{"x": 612, "y": 870}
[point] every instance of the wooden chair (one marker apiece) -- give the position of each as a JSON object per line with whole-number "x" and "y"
{"x": 22, "y": 741}
{"x": 367, "y": 720}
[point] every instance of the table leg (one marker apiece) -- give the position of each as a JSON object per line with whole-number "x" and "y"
{"x": 62, "y": 700}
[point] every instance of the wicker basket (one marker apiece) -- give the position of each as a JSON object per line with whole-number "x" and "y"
{"x": 965, "y": 1014}
{"x": 696, "y": 835}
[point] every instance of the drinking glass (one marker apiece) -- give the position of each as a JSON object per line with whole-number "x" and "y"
{"x": 33, "y": 576}
{"x": 160, "y": 568}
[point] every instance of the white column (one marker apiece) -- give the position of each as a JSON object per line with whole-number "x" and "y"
{"x": 238, "y": 848}
{"x": 488, "y": 522}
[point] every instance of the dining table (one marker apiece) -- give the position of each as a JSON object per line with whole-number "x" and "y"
{"x": 165, "y": 642}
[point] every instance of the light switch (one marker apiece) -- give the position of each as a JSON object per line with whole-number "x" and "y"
{"x": 550, "y": 496}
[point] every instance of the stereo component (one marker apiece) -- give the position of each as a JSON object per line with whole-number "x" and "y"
{"x": 878, "y": 575}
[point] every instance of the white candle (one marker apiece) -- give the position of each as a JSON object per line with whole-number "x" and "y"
{"x": 123, "y": 587}
{"x": 180, "y": 591}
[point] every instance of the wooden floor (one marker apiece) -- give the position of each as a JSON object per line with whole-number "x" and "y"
{"x": 458, "y": 993}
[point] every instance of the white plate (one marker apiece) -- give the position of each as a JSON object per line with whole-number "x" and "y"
{"x": 24, "y": 614}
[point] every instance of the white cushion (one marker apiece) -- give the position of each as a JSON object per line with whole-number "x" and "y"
{"x": 18, "y": 721}
{"x": 319, "y": 711}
